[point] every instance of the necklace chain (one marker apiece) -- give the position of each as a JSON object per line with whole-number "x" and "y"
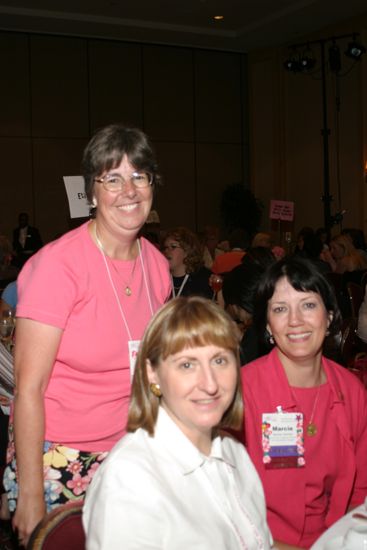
{"x": 127, "y": 289}
{"x": 119, "y": 305}
{"x": 311, "y": 428}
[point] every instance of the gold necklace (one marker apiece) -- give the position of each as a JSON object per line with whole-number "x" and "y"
{"x": 311, "y": 429}
{"x": 127, "y": 289}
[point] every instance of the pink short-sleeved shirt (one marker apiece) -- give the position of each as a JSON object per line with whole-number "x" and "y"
{"x": 66, "y": 285}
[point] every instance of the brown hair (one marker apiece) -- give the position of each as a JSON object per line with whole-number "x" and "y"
{"x": 190, "y": 244}
{"x": 181, "y": 323}
{"x": 107, "y": 148}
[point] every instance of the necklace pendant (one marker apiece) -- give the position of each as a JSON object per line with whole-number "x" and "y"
{"x": 311, "y": 429}
{"x": 128, "y": 291}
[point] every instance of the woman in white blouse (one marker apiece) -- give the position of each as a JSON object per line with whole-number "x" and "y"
{"x": 175, "y": 481}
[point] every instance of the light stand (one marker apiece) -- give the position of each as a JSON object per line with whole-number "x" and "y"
{"x": 355, "y": 51}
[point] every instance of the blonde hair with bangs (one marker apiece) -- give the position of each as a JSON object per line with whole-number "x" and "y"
{"x": 184, "y": 322}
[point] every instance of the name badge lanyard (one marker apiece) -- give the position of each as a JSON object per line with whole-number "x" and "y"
{"x": 181, "y": 287}
{"x": 132, "y": 344}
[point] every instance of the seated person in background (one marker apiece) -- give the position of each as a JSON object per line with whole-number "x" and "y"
{"x": 8, "y": 272}
{"x": 265, "y": 240}
{"x": 238, "y": 242}
{"x": 185, "y": 257}
{"x": 262, "y": 239}
{"x": 358, "y": 239}
{"x": 9, "y": 297}
{"x": 175, "y": 481}
{"x": 321, "y": 472}
{"x": 239, "y": 289}
{"x": 312, "y": 249}
{"x": 8, "y": 301}
{"x": 304, "y": 232}
{"x": 322, "y": 235}
{"x": 344, "y": 256}
{"x": 362, "y": 319}
{"x": 26, "y": 240}
{"x": 212, "y": 242}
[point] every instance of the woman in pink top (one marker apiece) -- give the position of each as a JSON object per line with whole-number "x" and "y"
{"x": 305, "y": 416}
{"x": 84, "y": 302}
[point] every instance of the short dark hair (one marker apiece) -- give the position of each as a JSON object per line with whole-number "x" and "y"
{"x": 302, "y": 275}
{"x": 107, "y": 148}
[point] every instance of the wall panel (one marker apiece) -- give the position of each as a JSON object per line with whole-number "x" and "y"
{"x": 175, "y": 200}
{"x": 59, "y": 87}
{"x": 218, "y": 165}
{"x": 168, "y": 93}
{"x": 16, "y": 182}
{"x": 218, "y": 97}
{"x": 115, "y": 84}
{"x": 14, "y": 89}
{"x": 54, "y": 159}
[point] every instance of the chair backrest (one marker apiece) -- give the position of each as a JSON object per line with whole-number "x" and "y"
{"x": 60, "y": 529}
{"x": 356, "y": 295}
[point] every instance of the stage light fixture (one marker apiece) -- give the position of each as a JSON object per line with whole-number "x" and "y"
{"x": 307, "y": 60}
{"x": 355, "y": 50}
{"x": 293, "y": 63}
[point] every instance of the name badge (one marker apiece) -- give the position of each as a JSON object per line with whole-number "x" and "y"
{"x": 133, "y": 354}
{"x": 282, "y": 440}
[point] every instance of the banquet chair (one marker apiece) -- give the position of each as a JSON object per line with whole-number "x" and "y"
{"x": 60, "y": 529}
{"x": 356, "y": 295}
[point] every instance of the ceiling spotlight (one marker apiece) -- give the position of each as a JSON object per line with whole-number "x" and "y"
{"x": 355, "y": 50}
{"x": 218, "y": 17}
{"x": 307, "y": 60}
{"x": 293, "y": 63}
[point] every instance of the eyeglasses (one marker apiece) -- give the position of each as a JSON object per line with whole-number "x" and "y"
{"x": 114, "y": 183}
{"x": 171, "y": 246}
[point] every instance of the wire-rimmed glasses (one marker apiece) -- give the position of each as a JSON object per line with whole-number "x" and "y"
{"x": 115, "y": 182}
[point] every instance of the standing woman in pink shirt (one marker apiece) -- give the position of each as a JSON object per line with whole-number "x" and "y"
{"x": 84, "y": 302}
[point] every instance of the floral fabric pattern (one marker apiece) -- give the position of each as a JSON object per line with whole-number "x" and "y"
{"x": 67, "y": 473}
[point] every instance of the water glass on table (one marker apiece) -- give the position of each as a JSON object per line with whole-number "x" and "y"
{"x": 216, "y": 283}
{"x": 7, "y": 325}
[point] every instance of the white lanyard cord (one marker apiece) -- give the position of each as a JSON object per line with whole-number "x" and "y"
{"x": 145, "y": 279}
{"x": 116, "y": 295}
{"x": 100, "y": 246}
{"x": 181, "y": 287}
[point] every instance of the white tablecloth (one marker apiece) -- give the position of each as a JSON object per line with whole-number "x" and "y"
{"x": 332, "y": 539}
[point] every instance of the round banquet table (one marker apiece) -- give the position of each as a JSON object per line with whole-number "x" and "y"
{"x": 332, "y": 539}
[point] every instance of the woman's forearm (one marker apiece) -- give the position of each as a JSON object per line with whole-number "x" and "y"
{"x": 29, "y": 437}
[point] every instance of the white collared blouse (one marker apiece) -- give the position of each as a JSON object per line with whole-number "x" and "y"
{"x": 161, "y": 493}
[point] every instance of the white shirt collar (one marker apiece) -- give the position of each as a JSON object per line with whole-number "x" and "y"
{"x": 188, "y": 457}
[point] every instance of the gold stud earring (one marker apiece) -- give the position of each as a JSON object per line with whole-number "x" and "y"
{"x": 156, "y": 390}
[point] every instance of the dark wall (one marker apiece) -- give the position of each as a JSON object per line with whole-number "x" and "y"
{"x": 57, "y": 90}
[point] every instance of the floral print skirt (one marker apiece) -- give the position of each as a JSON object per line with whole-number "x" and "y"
{"x": 67, "y": 473}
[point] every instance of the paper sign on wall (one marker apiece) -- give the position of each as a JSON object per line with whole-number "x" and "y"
{"x": 282, "y": 210}
{"x": 78, "y": 203}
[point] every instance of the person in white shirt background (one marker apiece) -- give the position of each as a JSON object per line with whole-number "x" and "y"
{"x": 176, "y": 480}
